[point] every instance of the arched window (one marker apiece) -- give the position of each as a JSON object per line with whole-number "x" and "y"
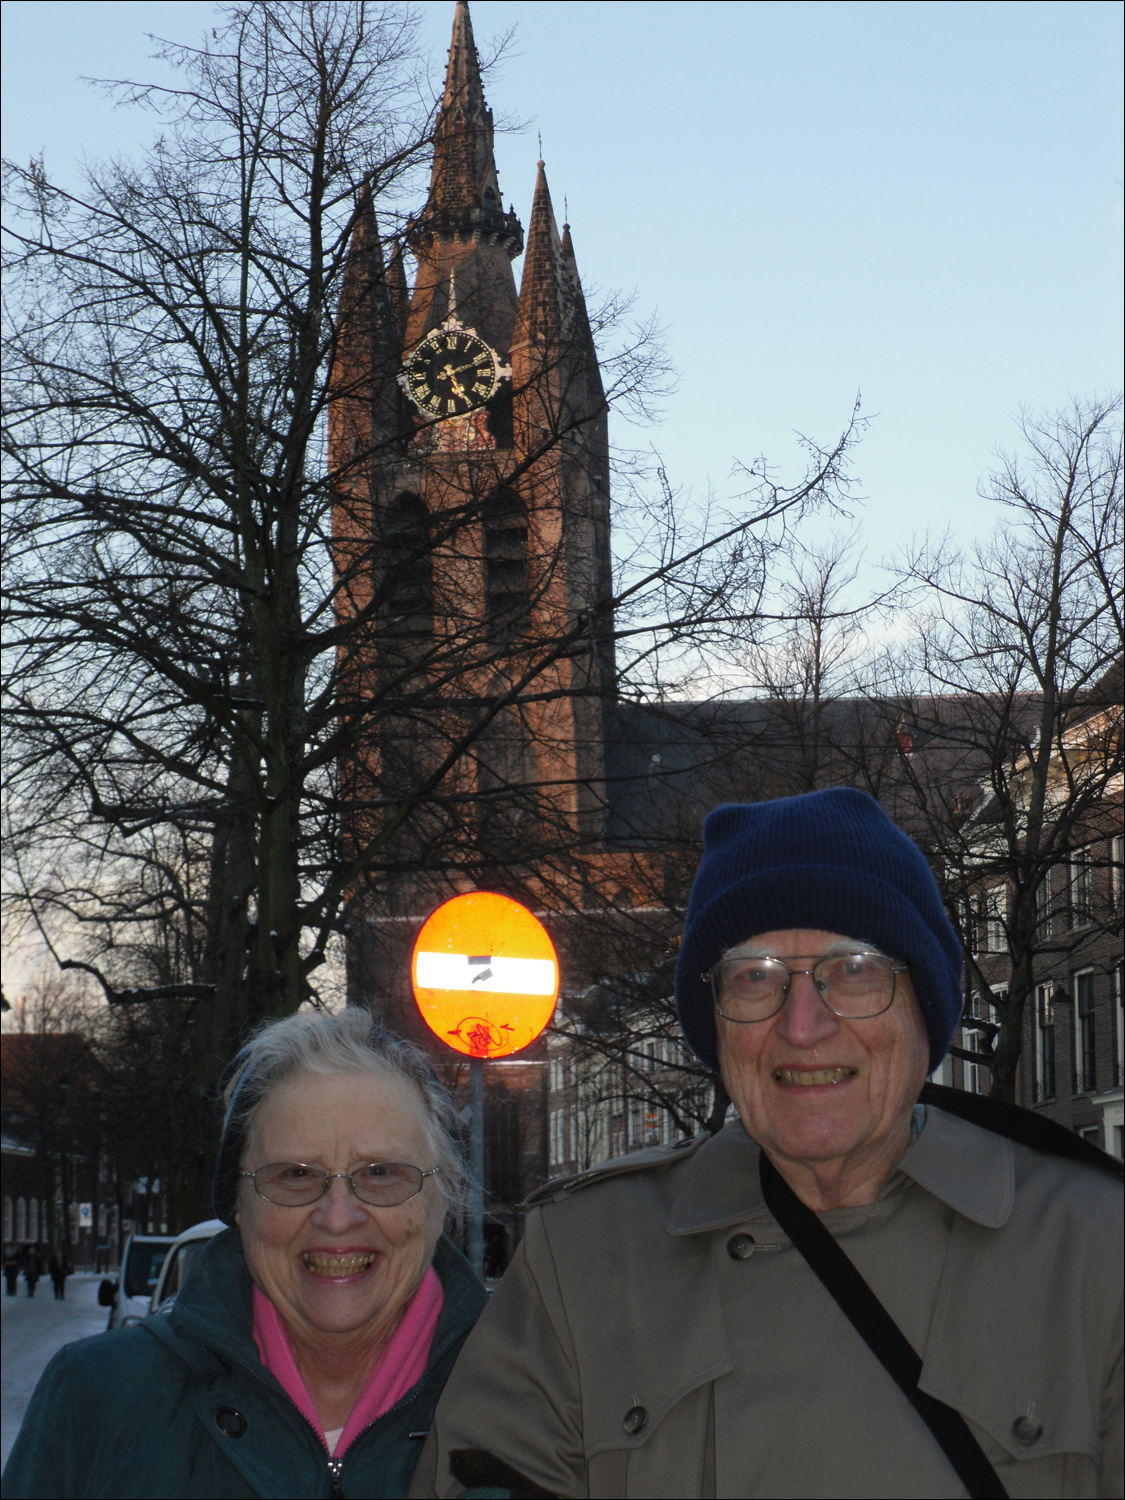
{"x": 7, "y": 1221}
{"x": 408, "y": 567}
{"x": 507, "y": 585}
{"x": 21, "y": 1219}
{"x": 33, "y": 1221}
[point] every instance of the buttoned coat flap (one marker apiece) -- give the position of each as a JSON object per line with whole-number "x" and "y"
{"x": 655, "y": 1330}
{"x": 245, "y": 1426}
{"x": 994, "y": 1306}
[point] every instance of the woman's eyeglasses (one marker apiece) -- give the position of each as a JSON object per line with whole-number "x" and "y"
{"x": 383, "y": 1184}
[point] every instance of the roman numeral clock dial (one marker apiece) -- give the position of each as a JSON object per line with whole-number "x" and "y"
{"x": 450, "y": 373}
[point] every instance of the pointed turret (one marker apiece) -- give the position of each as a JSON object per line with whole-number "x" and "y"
{"x": 464, "y": 228}
{"x": 553, "y": 357}
{"x": 399, "y": 292}
{"x": 543, "y": 291}
{"x": 583, "y": 334}
{"x": 365, "y": 408}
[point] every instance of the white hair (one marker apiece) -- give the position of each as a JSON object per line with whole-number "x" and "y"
{"x": 348, "y": 1042}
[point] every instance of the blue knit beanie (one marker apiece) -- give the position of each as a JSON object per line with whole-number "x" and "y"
{"x": 831, "y": 860}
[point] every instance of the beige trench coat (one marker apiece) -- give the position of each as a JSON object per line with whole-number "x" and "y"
{"x": 658, "y": 1335}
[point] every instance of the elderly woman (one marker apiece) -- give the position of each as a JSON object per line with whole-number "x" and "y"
{"x": 850, "y": 1290}
{"x": 311, "y": 1339}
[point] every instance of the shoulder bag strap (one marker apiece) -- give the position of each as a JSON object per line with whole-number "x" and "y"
{"x": 1022, "y": 1125}
{"x": 879, "y": 1332}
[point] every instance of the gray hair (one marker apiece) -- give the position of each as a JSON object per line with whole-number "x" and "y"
{"x": 325, "y": 1044}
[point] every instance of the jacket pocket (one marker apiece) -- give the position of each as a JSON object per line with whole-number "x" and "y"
{"x": 668, "y": 1459}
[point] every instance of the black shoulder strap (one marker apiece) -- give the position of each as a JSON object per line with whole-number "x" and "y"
{"x": 1022, "y": 1125}
{"x": 879, "y": 1331}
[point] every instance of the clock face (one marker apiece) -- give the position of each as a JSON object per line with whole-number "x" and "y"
{"x": 451, "y": 372}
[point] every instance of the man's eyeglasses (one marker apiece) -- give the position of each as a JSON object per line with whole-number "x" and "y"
{"x": 383, "y": 1184}
{"x": 854, "y": 986}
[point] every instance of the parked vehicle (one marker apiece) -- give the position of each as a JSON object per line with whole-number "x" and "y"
{"x": 129, "y": 1295}
{"x": 178, "y": 1262}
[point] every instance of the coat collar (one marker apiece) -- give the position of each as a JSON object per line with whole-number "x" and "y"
{"x": 967, "y": 1168}
{"x": 720, "y": 1185}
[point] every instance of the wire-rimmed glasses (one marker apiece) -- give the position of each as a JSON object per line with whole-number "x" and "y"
{"x": 854, "y": 986}
{"x": 382, "y": 1184}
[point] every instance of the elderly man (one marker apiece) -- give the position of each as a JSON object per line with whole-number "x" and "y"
{"x": 848, "y": 1292}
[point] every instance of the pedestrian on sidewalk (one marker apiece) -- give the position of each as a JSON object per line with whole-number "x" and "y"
{"x": 58, "y": 1269}
{"x": 32, "y": 1269}
{"x": 11, "y": 1273}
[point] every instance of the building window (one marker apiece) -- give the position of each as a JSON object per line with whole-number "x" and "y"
{"x": 408, "y": 600}
{"x": 979, "y": 1009}
{"x": 970, "y": 927}
{"x": 995, "y": 927}
{"x": 1044, "y": 1043}
{"x": 33, "y": 1221}
{"x": 1117, "y": 871}
{"x": 1086, "y": 1066}
{"x": 8, "y": 1217}
{"x": 507, "y": 588}
{"x": 1119, "y": 1025}
{"x": 1081, "y": 870}
{"x": 636, "y": 1123}
{"x": 1043, "y": 905}
{"x": 650, "y": 1057}
{"x": 21, "y": 1219}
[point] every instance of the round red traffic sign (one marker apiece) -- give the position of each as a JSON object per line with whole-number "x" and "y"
{"x": 485, "y": 974}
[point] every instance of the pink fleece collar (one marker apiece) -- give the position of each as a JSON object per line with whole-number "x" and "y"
{"x": 400, "y": 1366}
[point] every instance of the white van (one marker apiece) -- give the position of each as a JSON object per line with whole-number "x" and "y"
{"x": 130, "y": 1295}
{"x": 178, "y": 1261}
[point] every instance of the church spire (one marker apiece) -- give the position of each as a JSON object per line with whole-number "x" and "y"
{"x": 583, "y": 334}
{"x": 464, "y": 190}
{"x": 543, "y": 291}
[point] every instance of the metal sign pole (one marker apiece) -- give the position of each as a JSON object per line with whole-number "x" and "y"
{"x": 476, "y": 1165}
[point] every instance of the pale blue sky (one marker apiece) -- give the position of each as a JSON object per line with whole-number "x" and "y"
{"x": 919, "y": 201}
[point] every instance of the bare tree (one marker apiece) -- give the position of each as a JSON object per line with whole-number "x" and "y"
{"x": 209, "y": 670}
{"x": 1004, "y": 705}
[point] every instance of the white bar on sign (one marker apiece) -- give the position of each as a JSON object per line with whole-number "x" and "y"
{"x": 463, "y": 971}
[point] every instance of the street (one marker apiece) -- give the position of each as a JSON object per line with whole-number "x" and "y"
{"x": 33, "y": 1329}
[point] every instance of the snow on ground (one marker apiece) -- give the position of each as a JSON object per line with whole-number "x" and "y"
{"x": 34, "y": 1328}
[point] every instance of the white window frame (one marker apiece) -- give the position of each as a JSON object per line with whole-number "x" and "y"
{"x": 1043, "y": 1021}
{"x": 1043, "y": 913}
{"x": 995, "y": 927}
{"x": 1082, "y": 1085}
{"x": 1081, "y": 879}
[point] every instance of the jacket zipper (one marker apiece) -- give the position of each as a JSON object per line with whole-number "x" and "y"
{"x": 334, "y": 1467}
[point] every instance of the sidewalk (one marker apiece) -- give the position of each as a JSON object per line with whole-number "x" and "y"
{"x": 33, "y": 1329}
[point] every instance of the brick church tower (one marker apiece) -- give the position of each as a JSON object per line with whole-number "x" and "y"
{"x": 468, "y": 429}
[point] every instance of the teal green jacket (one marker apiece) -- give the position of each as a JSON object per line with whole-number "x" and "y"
{"x": 181, "y": 1405}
